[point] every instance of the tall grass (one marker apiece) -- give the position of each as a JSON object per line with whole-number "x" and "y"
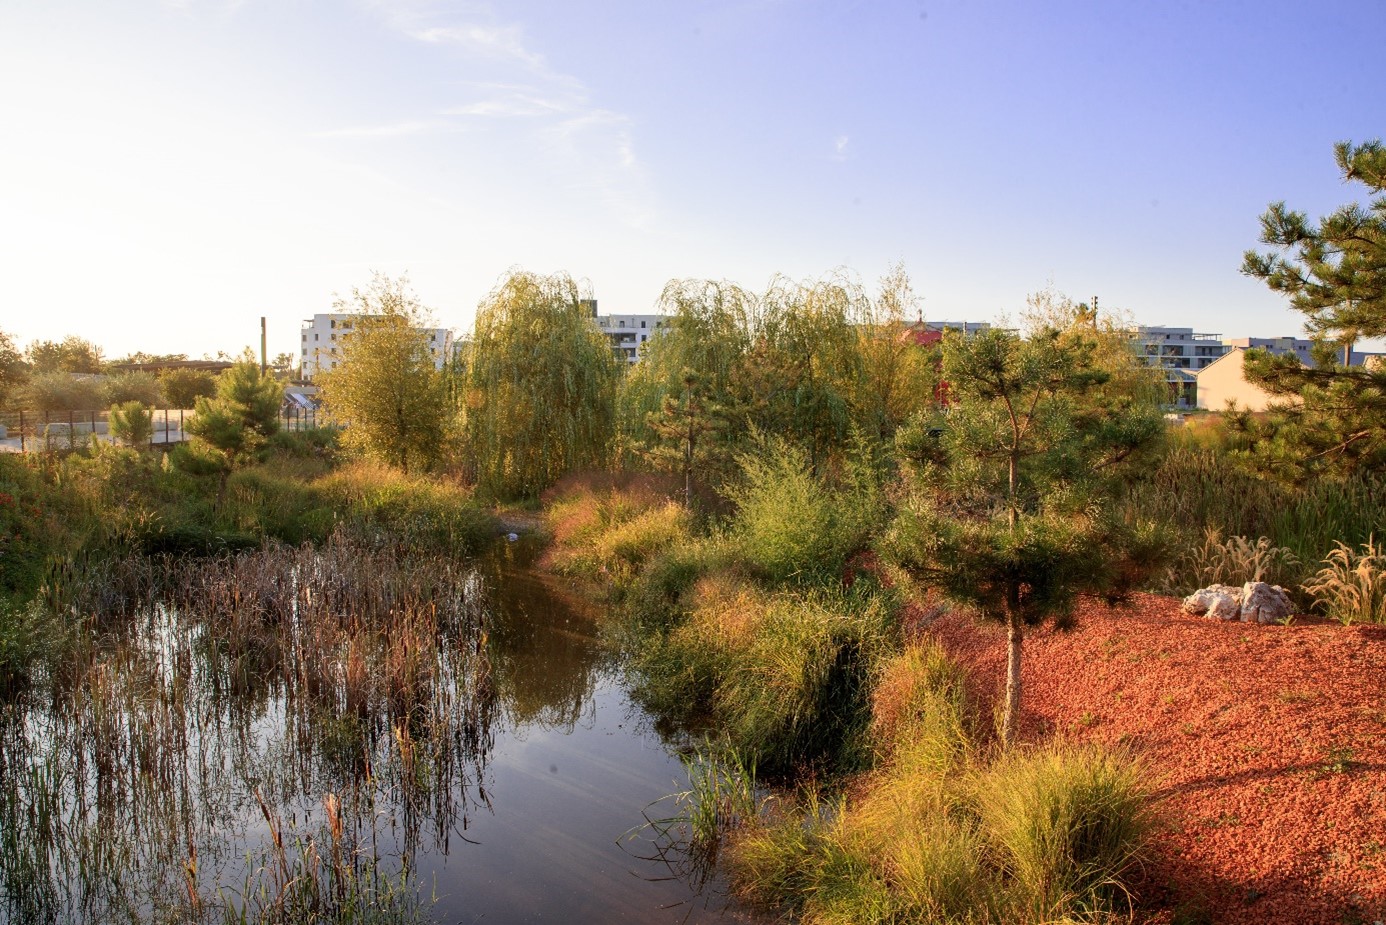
{"x": 945, "y": 832}
{"x": 350, "y": 669}
{"x": 1199, "y": 488}
{"x": 1351, "y": 586}
{"x": 787, "y": 675}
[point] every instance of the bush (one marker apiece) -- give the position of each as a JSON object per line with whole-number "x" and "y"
{"x": 786, "y": 675}
{"x": 131, "y": 423}
{"x": 789, "y": 526}
{"x": 139, "y": 387}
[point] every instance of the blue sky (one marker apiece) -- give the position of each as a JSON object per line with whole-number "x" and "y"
{"x": 171, "y": 171}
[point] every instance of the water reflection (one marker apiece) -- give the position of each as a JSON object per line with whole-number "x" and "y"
{"x": 322, "y": 727}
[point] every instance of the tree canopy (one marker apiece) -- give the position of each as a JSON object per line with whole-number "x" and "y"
{"x": 1012, "y": 514}
{"x": 386, "y": 388}
{"x": 1332, "y": 419}
{"x": 72, "y": 354}
{"x": 539, "y": 386}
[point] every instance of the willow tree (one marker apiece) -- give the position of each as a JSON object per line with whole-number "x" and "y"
{"x": 798, "y": 376}
{"x": 386, "y": 386}
{"x": 706, "y": 332}
{"x": 540, "y": 386}
{"x": 1016, "y": 516}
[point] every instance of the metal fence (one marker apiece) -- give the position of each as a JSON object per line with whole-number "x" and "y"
{"x": 40, "y": 431}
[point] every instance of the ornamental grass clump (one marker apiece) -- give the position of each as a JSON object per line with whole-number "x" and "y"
{"x": 1067, "y": 822}
{"x": 1351, "y": 586}
{"x": 946, "y": 832}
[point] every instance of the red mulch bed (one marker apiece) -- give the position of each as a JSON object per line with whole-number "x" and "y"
{"x": 1269, "y": 742}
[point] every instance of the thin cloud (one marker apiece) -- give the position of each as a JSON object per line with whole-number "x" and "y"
{"x": 507, "y": 41}
{"x": 394, "y": 130}
{"x": 589, "y": 148}
{"x": 840, "y": 148}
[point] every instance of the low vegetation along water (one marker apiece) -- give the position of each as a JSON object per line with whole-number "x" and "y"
{"x": 342, "y": 733}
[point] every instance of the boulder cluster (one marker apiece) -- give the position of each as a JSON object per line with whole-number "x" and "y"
{"x": 1253, "y": 602}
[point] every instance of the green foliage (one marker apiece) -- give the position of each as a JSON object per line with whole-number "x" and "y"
{"x": 816, "y": 363}
{"x": 244, "y": 413}
{"x": 1335, "y": 273}
{"x": 182, "y": 387}
{"x": 72, "y": 354}
{"x": 132, "y": 423}
{"x": 789, "y": 525}
{"x": 784, "y": 675}
{"x": 386, "y": 391}
{"x": 1197, "y": 487}
{"x": 56, "y": 390}
{"x": 134, "y": 386}
{"x": 1017, "y": 518}
{"x": 27, "y": 636}
{"x": 540, "y": 387}
{"x": 13, "y": 370}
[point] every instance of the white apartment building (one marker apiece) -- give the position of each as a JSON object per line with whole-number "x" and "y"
{"x": 626, "y": 332}
{"x": 1181, "y": 353}
{"x": 323, "y": 336}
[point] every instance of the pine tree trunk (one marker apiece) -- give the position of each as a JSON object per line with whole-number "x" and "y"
{"x": 1015, "y": 638}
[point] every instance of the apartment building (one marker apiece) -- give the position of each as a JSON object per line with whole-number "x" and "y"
{"x": 323, "y": 336}
{"x": 1181, "y": 353}
{"x": 626, "y": 332}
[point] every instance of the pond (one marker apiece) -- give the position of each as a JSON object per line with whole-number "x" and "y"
{"x": 294, "y": 732}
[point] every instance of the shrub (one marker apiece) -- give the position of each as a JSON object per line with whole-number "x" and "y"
{"x": 786, "y": 675}
{"x": 789, "y": 526}
{"x": 131, "y": 423}
{"x": 1351, "y": 586}
{"x": 128, "y": 387}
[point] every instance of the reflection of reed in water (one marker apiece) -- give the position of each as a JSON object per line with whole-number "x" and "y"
{"x": 128, "y": 777}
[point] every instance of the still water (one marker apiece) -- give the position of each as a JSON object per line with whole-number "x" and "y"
{"x": 454, "y": 734}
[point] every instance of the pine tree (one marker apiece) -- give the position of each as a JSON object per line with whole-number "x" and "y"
{"x": 1013, "y": 515}
{"x": 1333, "y": 417}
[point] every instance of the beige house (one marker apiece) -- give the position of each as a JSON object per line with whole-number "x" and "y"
{"x": 1223, "y": 380}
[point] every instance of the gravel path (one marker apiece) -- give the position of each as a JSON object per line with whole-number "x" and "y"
{"x": 1269, "y": 742}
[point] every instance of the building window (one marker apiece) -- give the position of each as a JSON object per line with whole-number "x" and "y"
{"x": 305, "y": 338}
{"x": 315, "y": 335}
{"x": 642, "y": 324}
{"x": 621, "y": 323}
{"x": 332, "y": 322}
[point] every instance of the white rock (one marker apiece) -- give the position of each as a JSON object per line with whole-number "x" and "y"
{"x": 1263, "y": 603}
{"x": 1221, "y": 602}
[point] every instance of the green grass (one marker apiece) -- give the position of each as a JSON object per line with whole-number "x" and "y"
{"x": 945, "y": 832}
{"x": 1198, "y": 488}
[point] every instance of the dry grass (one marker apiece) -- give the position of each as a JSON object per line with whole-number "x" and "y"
{"x": 1351, "y": 586}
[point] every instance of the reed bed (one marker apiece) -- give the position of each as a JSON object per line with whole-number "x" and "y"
{"x": 260, "y": 680}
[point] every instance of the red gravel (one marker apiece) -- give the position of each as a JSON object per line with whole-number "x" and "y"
{"x": 1269, "y": 742}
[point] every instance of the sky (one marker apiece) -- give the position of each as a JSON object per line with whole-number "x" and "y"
{"x": 173, "y": 170}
